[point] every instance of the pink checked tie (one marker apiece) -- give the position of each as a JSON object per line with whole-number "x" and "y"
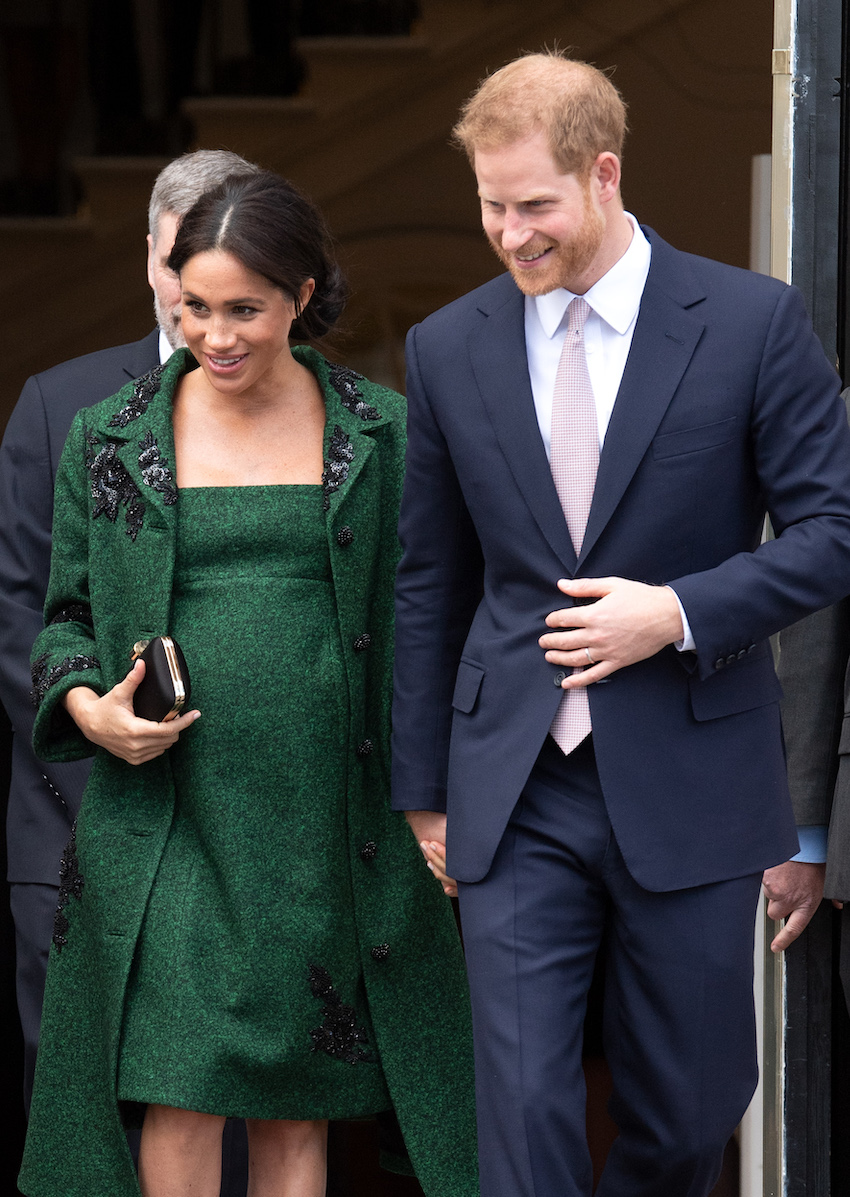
{"x": 574, "y": 460}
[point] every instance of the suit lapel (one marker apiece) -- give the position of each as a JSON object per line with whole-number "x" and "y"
{"x": 499, "y": 361}
{"x": 665, "y": 337}
{"x": 142, "y": 355}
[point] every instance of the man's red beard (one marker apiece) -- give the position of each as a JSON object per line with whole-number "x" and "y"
{"x": 566, "y": 262}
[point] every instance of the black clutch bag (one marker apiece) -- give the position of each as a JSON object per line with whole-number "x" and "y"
{"x": 165, "y": 690}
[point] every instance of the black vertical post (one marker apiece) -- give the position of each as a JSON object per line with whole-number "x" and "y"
{"x": 819, "y": 235}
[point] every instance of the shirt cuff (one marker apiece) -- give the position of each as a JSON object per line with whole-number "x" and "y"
{"x": 812, "y": 845}
{"x": 687, "y": 643}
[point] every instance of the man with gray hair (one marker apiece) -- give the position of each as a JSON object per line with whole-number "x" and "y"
{"x": 44, "y": 798}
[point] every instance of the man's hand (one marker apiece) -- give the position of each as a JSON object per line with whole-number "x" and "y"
{"x": 111, "y": 723}
{"x": 429, "y": 827}
{"x": 794, "y": 892}
{"x": 629, "y": 622}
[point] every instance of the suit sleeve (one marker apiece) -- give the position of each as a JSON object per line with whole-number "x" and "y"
{"x": 64, "y": 654}
{"x": 438, "y": 588}
{"x": 813, "y": 658}
{"x": 26, "y": 516}
{"x": 801, "y": 453}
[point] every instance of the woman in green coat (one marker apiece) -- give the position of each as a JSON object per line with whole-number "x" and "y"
{"x": 245, "y": 928}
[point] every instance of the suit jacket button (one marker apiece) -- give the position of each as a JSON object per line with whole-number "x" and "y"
{"x": 363, "y": 641}
{"x": 369, "y": 850}
{"x": 345, "y": 537}
{"x": 732, "y": 658}
{"x": 719, "y": 663}
{"x": 364, "y": 749}
{"x": 380, "y": 952}
{"x": 559, "y": 677}
{"x": 743, "y": 653}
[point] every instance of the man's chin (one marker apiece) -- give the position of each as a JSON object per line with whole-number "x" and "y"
{"x": 534, "y": 282}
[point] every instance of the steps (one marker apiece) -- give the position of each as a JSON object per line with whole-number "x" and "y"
{"x": 367, "y": 139}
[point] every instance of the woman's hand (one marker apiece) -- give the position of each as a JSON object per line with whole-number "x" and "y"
{"x": 111, "y": 723}
{"x": 429, "y": 827}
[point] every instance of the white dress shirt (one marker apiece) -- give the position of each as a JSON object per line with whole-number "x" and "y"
{"x": 165, "y": 348}
{"x": 614, "y": 305}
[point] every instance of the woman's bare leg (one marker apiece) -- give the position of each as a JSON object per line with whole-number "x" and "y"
{"x": 180, "y": 1153}
{"x": 287, "y": 1159}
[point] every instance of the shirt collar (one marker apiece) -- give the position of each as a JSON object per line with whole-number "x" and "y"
{"x": 615, "y": 297}
{"x": 165, "y": 348}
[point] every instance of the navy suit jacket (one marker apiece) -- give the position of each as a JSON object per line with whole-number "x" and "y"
{"x": 727, "y": 409}
{"x": 44, "y": 798}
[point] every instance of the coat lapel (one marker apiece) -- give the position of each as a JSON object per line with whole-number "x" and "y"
{"x": 141, "y": 427}
{"x": 351, "y": 424}
{"x": 499, "y": 361}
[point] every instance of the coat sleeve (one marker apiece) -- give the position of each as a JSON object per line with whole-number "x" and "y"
{"x": 65, "y": 654}
{"x": 438, "y": 588}
{"x": 801, "y": 453}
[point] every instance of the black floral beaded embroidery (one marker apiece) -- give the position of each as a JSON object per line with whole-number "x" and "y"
{"x": 344, "y": 382}
{"x": 144, "y": 389}
{"x": 43, "y": 678}
{"x": 71, "y": 882}
{"x": 112, "y": 486}
{"x": 76, "y": 613}
{"x": 155, "y": 471}
{"x": 338, "y": 1036}
{"x": 341, "y": 455}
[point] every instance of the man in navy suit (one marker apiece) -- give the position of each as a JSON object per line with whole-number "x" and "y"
{"x": 523, "y": 625}
{"x": 44, "y": 798}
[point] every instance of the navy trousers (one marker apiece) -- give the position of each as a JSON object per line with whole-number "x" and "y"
{"x": 679, "y": 1025}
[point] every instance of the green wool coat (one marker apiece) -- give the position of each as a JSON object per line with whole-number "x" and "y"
{"x": 110, "y": 585}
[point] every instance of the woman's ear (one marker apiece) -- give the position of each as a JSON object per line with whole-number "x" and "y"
{"x": 305, "y": 294}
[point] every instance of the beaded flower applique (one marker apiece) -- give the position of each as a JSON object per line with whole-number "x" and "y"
{"x": 112, "y": 486}
{"x": 339, "y": 1035}
{"x": 76, "y": 613}
{"x": 71, "y": 882}
{"x": 344, "y": 382}
{"x": 155, "y": 469}
{"x": 341, "y": 455}
{"x": 144, "y": 389}
{"x": 43, "y": 678}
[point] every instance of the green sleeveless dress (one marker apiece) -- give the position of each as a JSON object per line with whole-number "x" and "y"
{"x": 246, "y": 996}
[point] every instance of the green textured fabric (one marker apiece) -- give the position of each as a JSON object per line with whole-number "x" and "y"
{"x": 115, "y": 581}
{"x": 220, "y": 1016}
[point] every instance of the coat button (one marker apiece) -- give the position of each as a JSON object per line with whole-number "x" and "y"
{"x": 732, "y": 658}
{"x": 365, "y": 749}
{"x": 363, "y": 641}
{"x": 381, "y": 952}
{"x": 742, "y": 654}
{"x": 345, "y": 537}
{"x": 719, "y": 663}
{"x": 369, "y": 850}
{"x": 559, "y": 677}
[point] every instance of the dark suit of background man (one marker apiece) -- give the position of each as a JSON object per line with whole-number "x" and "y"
{"x": 713, "y": 403}
{"x": 814, "y": 668}
{"x": 44, "y": 798}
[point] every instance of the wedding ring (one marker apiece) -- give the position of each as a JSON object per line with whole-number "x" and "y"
{"x": 589, "y": 657}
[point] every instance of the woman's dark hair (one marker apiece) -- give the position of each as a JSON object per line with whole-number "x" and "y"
{"x": 274, "y": 230}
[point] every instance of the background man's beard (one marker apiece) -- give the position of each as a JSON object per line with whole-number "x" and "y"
{"x": 170, "y": 324}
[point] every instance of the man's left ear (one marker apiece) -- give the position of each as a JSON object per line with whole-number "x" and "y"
{"x": 606, "y": 171}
